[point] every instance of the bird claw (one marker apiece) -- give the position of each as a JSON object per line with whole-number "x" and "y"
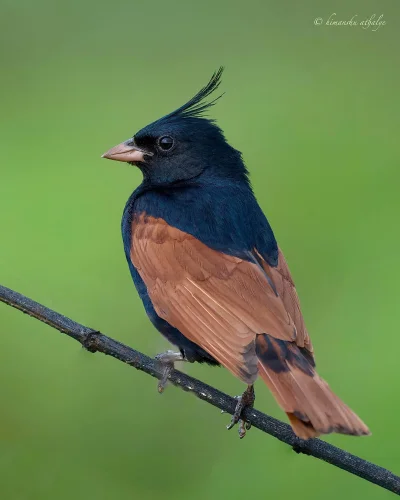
{"x": 167, "y": 360}
{"x": 246, "y": 400}
{"x": 162, "y": 383}
{"x": 236, "y": 416}
{"x": 244, "y": 426}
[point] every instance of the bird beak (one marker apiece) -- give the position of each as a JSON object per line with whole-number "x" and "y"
{"x": 125, "y": 151}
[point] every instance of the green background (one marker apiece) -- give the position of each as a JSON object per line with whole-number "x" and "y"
{"x": 315, "y": 111}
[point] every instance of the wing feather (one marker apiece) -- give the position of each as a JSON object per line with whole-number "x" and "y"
{"x": 218, "y": 301}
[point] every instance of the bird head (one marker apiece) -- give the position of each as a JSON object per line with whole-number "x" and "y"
{"x": 183, "y": 145}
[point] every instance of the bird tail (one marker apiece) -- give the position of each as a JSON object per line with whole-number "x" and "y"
{"x": 312, "y": 408}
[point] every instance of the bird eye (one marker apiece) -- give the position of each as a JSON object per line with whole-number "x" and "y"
{"x": 166, "y": 142}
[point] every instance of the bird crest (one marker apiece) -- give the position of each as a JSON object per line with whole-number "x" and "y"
{"x": 197, "y": 106}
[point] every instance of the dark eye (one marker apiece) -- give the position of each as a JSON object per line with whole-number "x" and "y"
{"x": 166, "y": 142}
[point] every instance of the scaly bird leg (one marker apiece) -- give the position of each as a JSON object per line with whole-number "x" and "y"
{"x": 246, "y": 400}
{"x": 167, "y": 360}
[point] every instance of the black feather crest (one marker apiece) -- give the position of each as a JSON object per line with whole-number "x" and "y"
{"x": 196, "y": 106}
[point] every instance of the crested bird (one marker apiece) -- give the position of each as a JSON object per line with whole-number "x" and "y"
{"x": 209, "y": 271}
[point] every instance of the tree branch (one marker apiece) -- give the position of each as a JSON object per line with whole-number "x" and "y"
{"x": 97, "y": 342}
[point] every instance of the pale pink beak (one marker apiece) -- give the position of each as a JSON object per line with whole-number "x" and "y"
{"x": 125, "y": 152}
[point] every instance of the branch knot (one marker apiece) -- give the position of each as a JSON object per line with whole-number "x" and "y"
{"x": 90, "y": 341}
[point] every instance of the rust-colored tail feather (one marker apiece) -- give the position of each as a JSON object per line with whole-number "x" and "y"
{"x": 311, "y": 406}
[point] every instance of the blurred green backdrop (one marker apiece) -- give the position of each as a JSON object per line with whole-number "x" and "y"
{"x": 315, "y": 110}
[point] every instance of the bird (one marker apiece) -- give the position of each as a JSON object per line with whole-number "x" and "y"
{"x": 211, "y": 276}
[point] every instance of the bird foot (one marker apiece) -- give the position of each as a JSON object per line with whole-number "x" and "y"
{"x": 167, "y": 360}
{"x": 246, "y": 400}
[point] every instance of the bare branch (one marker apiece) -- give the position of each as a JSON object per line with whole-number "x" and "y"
{"x": 97, "y": 342}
